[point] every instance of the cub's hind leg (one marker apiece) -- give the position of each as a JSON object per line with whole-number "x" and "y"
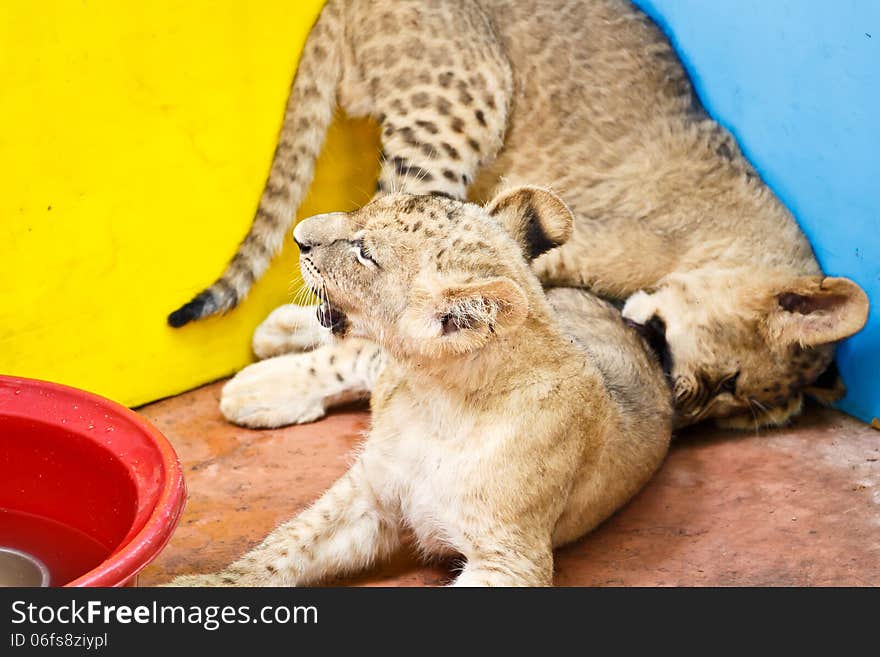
{"x": 289, "y": 329}
{"x": 300, "y": 388}
{"x": 437, "y": 79}
{"x": 433, "y": 142}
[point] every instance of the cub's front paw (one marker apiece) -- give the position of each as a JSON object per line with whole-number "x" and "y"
{"x": 273, "y": 393}
{"x": 639, "y": 307}
{"x": 289, "y": 329}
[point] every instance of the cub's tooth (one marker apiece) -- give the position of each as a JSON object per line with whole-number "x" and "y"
{"x": 323, "y": 314}
{"x": 332, "y": 318}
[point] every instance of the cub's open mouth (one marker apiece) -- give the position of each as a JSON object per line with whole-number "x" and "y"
{"x": 332, "y": 318}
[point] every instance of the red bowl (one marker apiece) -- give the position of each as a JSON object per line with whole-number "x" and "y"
{"x": 87, "y": 486}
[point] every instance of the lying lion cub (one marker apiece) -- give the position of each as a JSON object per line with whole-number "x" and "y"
{"x": 503, "y": 425}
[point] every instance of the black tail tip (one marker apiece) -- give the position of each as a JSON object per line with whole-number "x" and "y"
{"x": 202, "y": 305}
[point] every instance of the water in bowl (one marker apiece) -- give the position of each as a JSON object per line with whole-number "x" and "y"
{"x": 20, "y": 569}
{"x": 65, "y": 551}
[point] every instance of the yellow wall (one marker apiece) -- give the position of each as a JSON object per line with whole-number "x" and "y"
{"x": 134, "y": 141}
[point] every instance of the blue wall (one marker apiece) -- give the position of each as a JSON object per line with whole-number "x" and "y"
{"x": 798, "y": 83}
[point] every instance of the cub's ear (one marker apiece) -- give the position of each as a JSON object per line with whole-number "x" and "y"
{"x": 814, "y": 310}
{"x": 458, "y": 318}
{"x": 537, "y": 219}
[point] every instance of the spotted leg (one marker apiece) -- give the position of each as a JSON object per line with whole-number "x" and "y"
{"x": 345, "y": 531}
{"x": 300, "y": 388}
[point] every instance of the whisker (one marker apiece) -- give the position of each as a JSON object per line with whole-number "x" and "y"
{"x": 298, "y": 290}
{"x": 757, "y": 403}
{"x": 302, "y": 295}
{"x": 755, "y": 418}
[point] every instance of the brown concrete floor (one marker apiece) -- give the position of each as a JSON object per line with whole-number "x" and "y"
{"x": 794, "y": 506}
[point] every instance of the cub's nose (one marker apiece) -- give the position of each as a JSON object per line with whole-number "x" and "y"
{"x": 319, "y": 230}
{"x": 299, "y": 237}
{"x": 303, "y": 247}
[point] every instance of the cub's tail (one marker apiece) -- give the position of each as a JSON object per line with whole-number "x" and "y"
{"x": 307, "y": 117}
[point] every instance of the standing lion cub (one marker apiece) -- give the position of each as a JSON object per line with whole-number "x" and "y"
{"x": 589, "y": 98}
{"x": 506, "y": 420}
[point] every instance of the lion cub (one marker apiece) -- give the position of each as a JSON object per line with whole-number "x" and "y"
{"x": 506, "y": 420}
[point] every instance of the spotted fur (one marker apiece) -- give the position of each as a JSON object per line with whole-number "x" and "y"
{"x": 588, "y": 98}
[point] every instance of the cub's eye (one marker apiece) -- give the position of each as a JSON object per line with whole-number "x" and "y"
{"x": 363, "y": 254}
{"x": 729, "y": 384}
